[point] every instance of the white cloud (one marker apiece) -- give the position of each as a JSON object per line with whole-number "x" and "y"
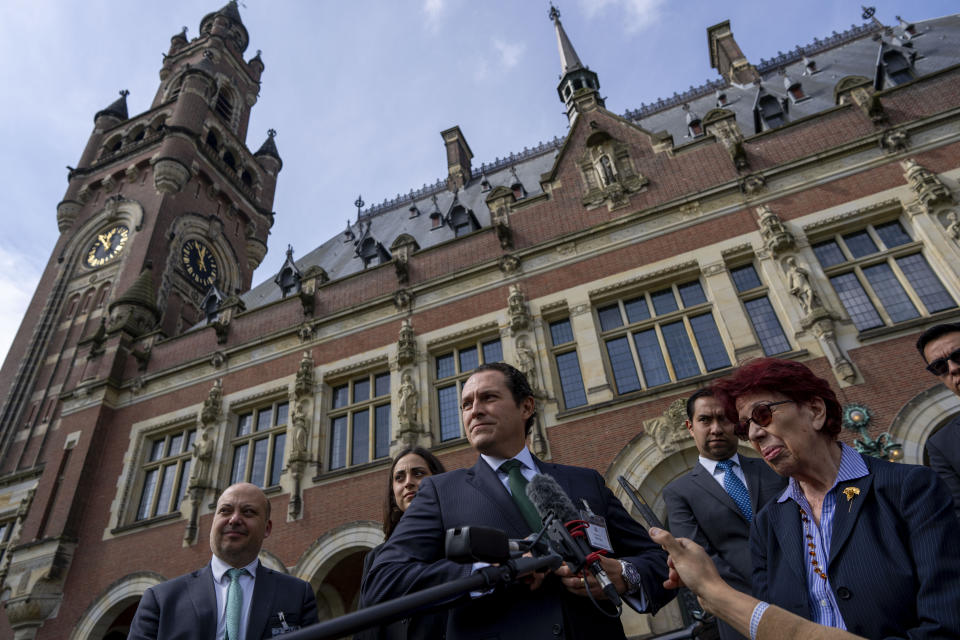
{"x": 17, "y": 282}
{"x": 638, "y": 14}
{"x": 433, "y": 10}
{"x": 510, "y": 54}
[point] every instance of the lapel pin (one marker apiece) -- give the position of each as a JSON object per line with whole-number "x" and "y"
{"x": 850, "y": 492}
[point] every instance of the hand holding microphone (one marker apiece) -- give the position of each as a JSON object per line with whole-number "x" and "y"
{"x": 567, "y": 536}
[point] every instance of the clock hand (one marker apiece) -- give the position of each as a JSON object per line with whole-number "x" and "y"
{"x": 104, "y": 241}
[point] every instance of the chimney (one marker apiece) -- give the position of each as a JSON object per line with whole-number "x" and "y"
{"x": 458, "y": 158}
{"x": 727, "y": 58}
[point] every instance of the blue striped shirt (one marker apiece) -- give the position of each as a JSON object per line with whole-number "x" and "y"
{"x": 823, "y": 604}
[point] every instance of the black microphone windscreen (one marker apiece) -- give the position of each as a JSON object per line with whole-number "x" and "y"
{"x": 548, "y": 496}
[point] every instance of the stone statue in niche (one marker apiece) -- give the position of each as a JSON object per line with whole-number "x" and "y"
{"x": 798, "y": 283}
{"x": 526, "y": 362}
{"x": 517, "y": 307}
{"x": 607, "y": 170}
{"x": 953, "y": 229}
{"x": 202, "y": 454}
{"x": 409, "y": 401}
{"x": 299, "y": 442}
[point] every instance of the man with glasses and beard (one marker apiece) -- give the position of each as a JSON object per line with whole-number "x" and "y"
{"x": 940, "y": 347}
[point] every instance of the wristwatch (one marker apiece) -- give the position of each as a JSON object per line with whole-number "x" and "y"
{"x": 630, "y": 576}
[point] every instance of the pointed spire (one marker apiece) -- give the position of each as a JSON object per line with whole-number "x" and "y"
{"x": 577, "y": 80}
{"x": 117, "y": 109}
{"x": 569, "y": 60}
{"x": 230, "y": 13}
{"x": 269, "y": 147}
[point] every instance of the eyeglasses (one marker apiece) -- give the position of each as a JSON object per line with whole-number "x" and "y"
{"x": 939, "y": 366}
{"x": 762, "y": 414}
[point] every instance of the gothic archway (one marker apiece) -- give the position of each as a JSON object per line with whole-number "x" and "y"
{"x": 334, "y": 563}
{"x": 114, "y": 608}
{"x": 920, "y": 418}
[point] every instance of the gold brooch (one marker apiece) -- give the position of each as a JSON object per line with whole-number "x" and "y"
{"x": 850, "y": 492}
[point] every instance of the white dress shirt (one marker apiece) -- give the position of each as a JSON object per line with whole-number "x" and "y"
{"x": 221, "y": 582}
{"x": 720, "y": 474}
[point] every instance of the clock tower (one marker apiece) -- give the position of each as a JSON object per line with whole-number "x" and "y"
{"x": 161, "y": 209}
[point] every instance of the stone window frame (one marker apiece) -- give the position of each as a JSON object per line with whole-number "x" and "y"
{"x": 180, "y": 462}
{"x": 7, "y": 525}
{"x": 274, "y": 434}
{"x": 655, "y": 321}
{"x": 559, "y": 350}
{"x": 752, "y": 294}
{"x": 456, "y": 348}
{"x": 840, "y": 235}
{"x": 374, "y": 402}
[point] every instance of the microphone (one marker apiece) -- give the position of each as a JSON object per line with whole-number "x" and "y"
{"x": 566, "y": 530}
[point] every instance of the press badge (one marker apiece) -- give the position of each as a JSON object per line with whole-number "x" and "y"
{"x": 284, "y": 627}
{"x": 596, "y": 529}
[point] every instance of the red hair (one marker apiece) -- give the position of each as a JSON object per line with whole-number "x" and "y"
{"x": 788, "y": 378}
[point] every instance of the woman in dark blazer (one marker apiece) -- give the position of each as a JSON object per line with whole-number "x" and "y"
{"x": 409, "y": 468}
{"x": 854, "y": 542}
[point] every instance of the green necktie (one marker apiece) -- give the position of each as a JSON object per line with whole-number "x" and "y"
{"x": 518, "y": 489}
{"x": 234, "y": 603}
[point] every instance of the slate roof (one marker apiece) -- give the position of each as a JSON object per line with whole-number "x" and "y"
{"x": 853, "y": 52}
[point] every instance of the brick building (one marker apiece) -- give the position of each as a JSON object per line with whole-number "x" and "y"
{"x": 803, "y": 207}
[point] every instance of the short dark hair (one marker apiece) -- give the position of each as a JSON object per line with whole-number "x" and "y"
{"x": 706, "y": 392}
{"x": 789, "y": 378}
{"x": 933, "y": 333}
{"x": 517, "y": 383}
{"x": 391, "y": 512}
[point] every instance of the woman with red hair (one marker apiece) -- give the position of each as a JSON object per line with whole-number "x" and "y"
{"x": 854, "y": 542}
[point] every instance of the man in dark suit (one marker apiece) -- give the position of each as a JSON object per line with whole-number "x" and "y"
{"x": 700, "y": 504}
{"x": 940, "y": 347}
{"x": 498, "y": 410}
{"x": 234, "y": 597}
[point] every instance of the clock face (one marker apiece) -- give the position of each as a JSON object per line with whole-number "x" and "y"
{"x": 199, "y": 263}
{"x": 107, "y": 246}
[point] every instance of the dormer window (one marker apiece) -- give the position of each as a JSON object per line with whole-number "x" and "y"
{"x": 462, "y": 221}
{"x": 809, "y": 66}
{"x": 897, "y": 68}
{"x": 519, "y": 192}
{"x": 768, "y": 113}
{"x": 909, "y": 29}
{"x": 794, "y": 90}
{"x": 694, "y": 126}
{"x": 372, "y": 251}
{"x": 414, "y": 211}
{"x": 721, "y": 99}
{"x": 484, "y": 184}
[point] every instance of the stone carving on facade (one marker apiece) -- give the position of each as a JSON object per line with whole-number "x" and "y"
{"x": 668, "y": 430}
{"x": 930, "y": 190}
{"x": 538, "y": 438}
{"x": 218, "y": 359}
{"x": 35, "y": 584}
{"x": 820, "y": 322}
{"x": 310, "y": 281}
{"x": 953, "y": 226}
{"x": 753, "y": 184}
{"x": 402, "y": 248}
{"x": 722, "y": 124}
{"x": 225, "y": 313}
{"x": 800, "y": 287}
{"x": 202, "y": 461}
{"x": 517, "y": 307}
{"x": 527, "y": 363}
{"x": 408, "y": 410}
{"x": 403, "y": 300}
{"x": 15, "y": 529}
{"x": 305, "y": 332}
{"x": 500, "y": 219}
{"x": 169, "y": 176}
{"x": 509, "y": 264}
{"x": 776, "y": 237}
{"x": 303, "y": 385}
{"x": 894, "y": 141}
{"x": 406, "y": 344}
{"x": 608, "y": 172}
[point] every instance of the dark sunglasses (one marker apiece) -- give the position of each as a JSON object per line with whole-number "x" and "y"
{"x": 762, "y": 414}
{"x": 939, "y": 366}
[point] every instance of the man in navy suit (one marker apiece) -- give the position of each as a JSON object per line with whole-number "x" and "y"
{"x": 234, "y": 597}
{"x": 498, "y": 410}
{"x": 940, "y": 347}
{"x": 699, "y": 504}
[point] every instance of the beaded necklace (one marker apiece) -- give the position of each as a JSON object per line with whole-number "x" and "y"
{"x": 810, "y": 544}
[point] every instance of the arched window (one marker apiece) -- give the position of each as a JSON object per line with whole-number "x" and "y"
{"x": 212, "y": 140}
{"x": 246, "y": 178}
{"x": 224, "y": 105}
{"x": 229, "y": 160}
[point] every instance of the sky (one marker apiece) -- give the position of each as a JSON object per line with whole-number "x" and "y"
{"x": 358, "y": 91}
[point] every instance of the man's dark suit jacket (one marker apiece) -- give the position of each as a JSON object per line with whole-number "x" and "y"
{"x": 943, "y": 450}
{"x": 413, "y": 558}
{"x": 894, "y": 560}
{"x": 185, "y": 608}
{"x": 700, "y": 509}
